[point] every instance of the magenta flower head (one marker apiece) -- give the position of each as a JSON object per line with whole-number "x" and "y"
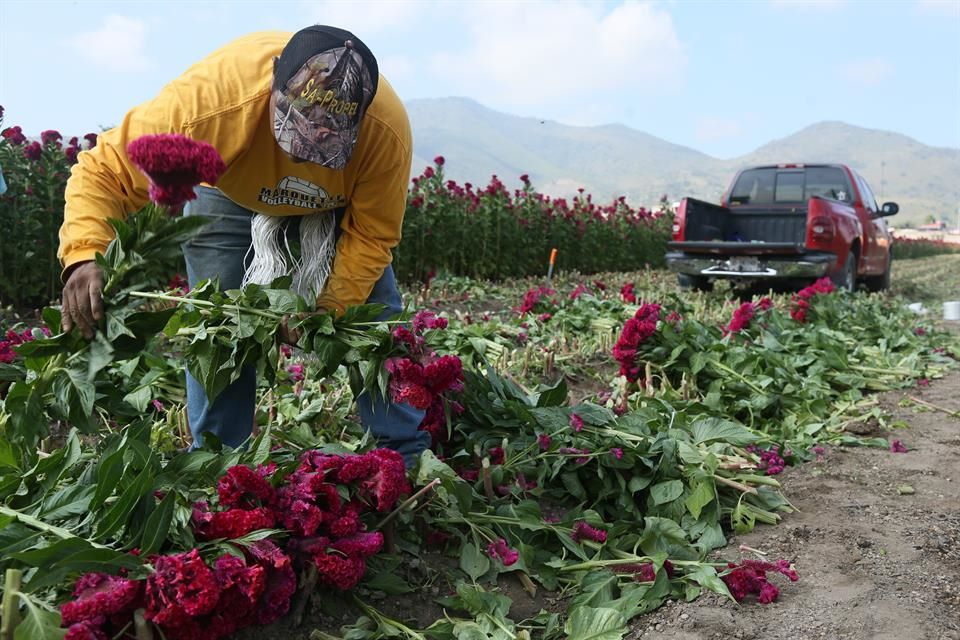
{"x": 576, "y": 422}
{"x": 91, "y": 139}
{"x": 50, "y": 136}
{"x": 500, "y": 551}
{"x": 175, "y": 165}
{"x": 14, "y": 135}
{"x": 583, "y": 531}
{"x": 32, "y": 151}
{"x": 71, "y": 153}
{"x": 439, "y": 160}
{"x": 897, "y": 447}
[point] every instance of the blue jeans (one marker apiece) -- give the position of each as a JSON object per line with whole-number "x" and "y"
{"x": 218, "y": 251}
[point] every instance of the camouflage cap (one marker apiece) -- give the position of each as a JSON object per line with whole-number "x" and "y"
{"x": 323, "y": 83}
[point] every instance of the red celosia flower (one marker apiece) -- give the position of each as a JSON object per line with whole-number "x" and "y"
{"x": 617, "y": 453}
{"x": 179, "y": 285}
{"x": 444, "y": 374}
{"x": 751, "y": 577}
{"x": 281, "y": 581}
{"x": 500, "y": 551}
{"x": 91, "y": 139}
{"x": 50, "y": 136}
{"x": 175, "y": 165}
{"x": 576, "y": 422}
{"x": 32, "y": 151}
{"x": 428, "y": 320}
{"x": 439, "y": 160}
{"x": 741, "y": 318}
{"x": 628, "y": 293}
{"x": 579, "y": 291}
{"x": 897, "y": 447}
{"x": 14, "y": 135}
{"x": 583, "y": 531}
{"x": 341, "y": 572}
{"x": 88, "y": 630}
{"x": 644, "y": 572}
{"x": 231, "y": 524}
{"x": 182, "y": 587}
{"x": 532, "y": 298}
{"x": 71, "y": 153}
{"x": 98, "y": 595}
{"x": 245, "y": 488}
{"x": 635, "y": 332}
{"x": 497, "y": 455}
{"x": 387, "y": 480}
{"x": 241, "y": 586}
{"x": 765, "y": 304}
{"x": 544, "y": 441}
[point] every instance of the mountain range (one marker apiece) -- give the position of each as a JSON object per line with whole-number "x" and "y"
{"x": 613, "y": 160}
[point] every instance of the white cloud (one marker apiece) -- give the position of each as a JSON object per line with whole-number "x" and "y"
{"x": 569, "y": 55}
{"x": 709, "y": 129}
{"x": 868, "y": 72}
{"x": 118, "y": 45}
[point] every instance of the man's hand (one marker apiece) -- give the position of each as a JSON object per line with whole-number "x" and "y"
{"x": 82, "y": 299}
{"x": 292, "y": 335}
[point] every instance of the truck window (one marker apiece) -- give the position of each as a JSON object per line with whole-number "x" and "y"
{"x": 789, "y": 187}
{"x": 779, "y": 186}
{"x": 827, "y": 182}
{"x": 754, "y": 186}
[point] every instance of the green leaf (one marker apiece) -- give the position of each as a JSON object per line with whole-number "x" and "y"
{"x": 661, "y": 535}
{"x": 700, "y": 497}
{"x": 389, "y": 583}
{"x": 117, "y": 515}
{"x": 553, "y": 396}
{"x": 109, "y": 472}
{"x": 38, "y": 624}
{"x": 712, "y": 429}
{"x": 589, "y": 623}
{"x": 706, "y": 577}
{"x": 665, "y": 492}
{"x": 596, "y": 589}
{"x": 158, "y": 525}
{"x": 473, "y": 561}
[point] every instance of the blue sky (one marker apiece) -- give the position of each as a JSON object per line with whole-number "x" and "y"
{"x": 721, "y": 77}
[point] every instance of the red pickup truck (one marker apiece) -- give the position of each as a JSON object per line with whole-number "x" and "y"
{"x": 787, "y": 224}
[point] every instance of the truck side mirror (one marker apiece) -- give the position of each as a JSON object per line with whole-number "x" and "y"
{"x": 889, "y": 209}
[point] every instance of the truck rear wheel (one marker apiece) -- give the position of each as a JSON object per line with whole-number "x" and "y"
{"x": 882, "y": 281}
{"x": 696, "y": 283}
{"x": 846, "y": 278}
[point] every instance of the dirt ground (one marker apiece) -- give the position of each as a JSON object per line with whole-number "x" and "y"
{"x": 876, "y": 561}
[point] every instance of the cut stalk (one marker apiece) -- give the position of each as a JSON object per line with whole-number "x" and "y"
{"x": 736, "y": 485}
{"x": 11, "y": 608}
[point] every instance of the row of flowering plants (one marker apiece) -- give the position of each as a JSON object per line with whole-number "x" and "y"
{"x": 486, "y": 232}
{"x": 492, "y": 232}
{"x": 910, "y": 248}
{"x": 31, "y": 211}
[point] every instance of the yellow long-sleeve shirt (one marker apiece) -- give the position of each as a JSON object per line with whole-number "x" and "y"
{"x": 224, "y": 100}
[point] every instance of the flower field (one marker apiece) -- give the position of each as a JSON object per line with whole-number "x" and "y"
{"x": 596, "y": 440}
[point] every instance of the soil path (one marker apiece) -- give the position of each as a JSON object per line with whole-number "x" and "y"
{"x": 876, "y": 543}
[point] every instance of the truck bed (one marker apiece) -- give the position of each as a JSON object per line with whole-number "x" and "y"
{"x": 715, "y": 229}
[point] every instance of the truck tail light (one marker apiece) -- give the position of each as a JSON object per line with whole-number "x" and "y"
{"x": 680, "y": 221}
{"x": 822, "y": 230}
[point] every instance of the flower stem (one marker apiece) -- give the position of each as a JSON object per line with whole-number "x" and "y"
{"x": 736, "y": 485}
{"x": 406, "y": 503}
